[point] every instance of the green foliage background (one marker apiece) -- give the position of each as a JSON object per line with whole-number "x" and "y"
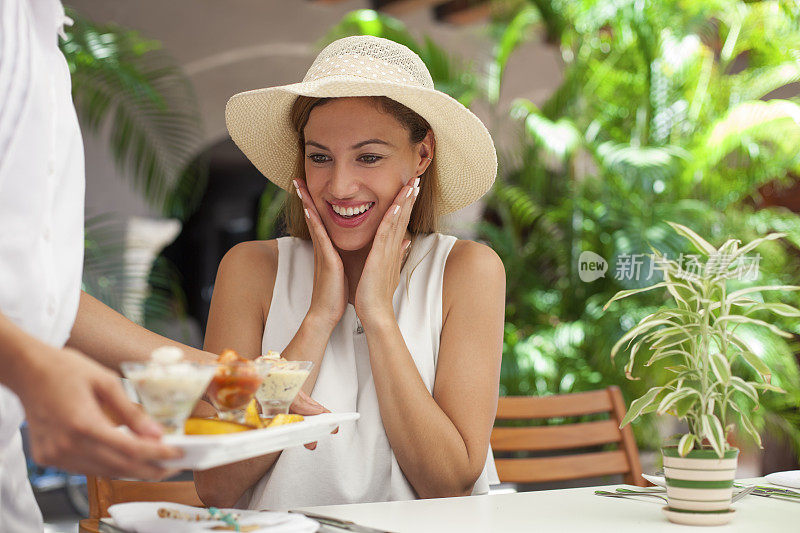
{"x": 664, "y": 113}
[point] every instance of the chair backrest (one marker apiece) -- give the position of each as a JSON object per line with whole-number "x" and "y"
{"x": 566, "y": 437}
{"x": 104, "y": 492}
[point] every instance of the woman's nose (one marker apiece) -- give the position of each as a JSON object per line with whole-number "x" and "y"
{"x": 342, "y": 184}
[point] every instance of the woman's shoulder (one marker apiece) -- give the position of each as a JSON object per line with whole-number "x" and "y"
{"x": 470, "y": 257}
{"x": 470, "y": 262}
{"x": 250, "y": 258}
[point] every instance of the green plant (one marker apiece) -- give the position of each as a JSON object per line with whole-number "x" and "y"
{"x": 697, "y": 338}
{"x": 127, "y": 85}
{"x": 651, "y": 122}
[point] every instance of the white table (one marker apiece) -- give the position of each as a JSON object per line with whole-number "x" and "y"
{"x": 556, "y": 510}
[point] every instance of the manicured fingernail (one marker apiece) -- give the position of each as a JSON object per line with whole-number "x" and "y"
{"x": 416, "y": 183}
{"x": 408, "y": 193}
{"x": 307, "y": 215}
{"x": 396, "y": 209}
{"x": 298, "y": 194}
{"x": 416, "y": 191}
{"x": 295, "y": 184}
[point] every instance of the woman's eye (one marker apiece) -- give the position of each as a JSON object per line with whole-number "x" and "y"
{"x": 318, "y": 158}
{"x": 369, "y": 159}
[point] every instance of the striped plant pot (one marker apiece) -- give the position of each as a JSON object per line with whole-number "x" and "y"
{"x": 701, "y": 481}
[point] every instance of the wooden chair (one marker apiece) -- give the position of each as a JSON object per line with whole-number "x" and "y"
{"x": 104, "y": 492}
{"x": 567, "y": 437}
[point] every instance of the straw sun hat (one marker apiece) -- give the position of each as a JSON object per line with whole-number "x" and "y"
{"x": 464, "y": 154}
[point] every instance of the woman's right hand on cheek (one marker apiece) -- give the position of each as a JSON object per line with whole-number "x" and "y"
{"x": 330, "y": 292}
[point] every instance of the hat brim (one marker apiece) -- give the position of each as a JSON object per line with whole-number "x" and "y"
{"x": 465, "y": 158}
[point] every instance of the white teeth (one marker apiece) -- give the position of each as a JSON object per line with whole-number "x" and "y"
{"x": 351, "y": 211}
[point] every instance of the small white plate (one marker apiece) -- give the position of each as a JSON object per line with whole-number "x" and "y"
{"x": 207, "y": 451}
{"x": 656, "y": 480}
{"x": 142, "y": 517}
{"x": 789, "y": 479}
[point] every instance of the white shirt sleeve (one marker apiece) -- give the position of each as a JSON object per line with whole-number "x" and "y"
{"x": 15, "y": 72}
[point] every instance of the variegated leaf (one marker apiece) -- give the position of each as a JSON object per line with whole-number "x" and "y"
{"x": 721, "y": 367}
{"x": 745, "y": 388}
{"x": 686, "y": 444}
{"x": 699, "y": 242}
{"x": 638, "y": 405}
{"x": 624, "y": 294}
{"x": 735, "y": 295}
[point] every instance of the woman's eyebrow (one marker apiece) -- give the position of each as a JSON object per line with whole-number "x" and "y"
{"x": 354, "y": 147}
{"x": 318, "y": 145}
{"x": 371, "y": 141}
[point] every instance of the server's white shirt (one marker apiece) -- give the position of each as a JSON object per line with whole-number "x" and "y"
{"x": 41, "y": 213}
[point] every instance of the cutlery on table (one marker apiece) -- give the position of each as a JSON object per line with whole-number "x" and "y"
{"x": 625, "y": 493}
{"x": 767, "y": 492}
{"x": 630, "y": 494}
{"x": 339, "y": 523}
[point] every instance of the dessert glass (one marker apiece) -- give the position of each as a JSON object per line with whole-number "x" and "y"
{"x": 233, "y": 386}
{"x": 168, "y": 391}
{"x": 281, "y": 384}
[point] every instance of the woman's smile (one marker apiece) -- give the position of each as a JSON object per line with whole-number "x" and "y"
{"x": 350, "y": 216}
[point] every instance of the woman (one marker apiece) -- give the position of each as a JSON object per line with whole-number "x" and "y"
{"x": 404, "y": 325}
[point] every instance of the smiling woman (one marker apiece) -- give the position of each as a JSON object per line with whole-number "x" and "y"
{"x": 388, "y": 151}
{"x": 373, "y": 155}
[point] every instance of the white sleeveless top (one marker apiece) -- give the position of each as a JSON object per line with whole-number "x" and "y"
{"x": 356, "y": 465}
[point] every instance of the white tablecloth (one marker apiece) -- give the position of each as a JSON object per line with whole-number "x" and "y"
{"x": 555, "y": 510}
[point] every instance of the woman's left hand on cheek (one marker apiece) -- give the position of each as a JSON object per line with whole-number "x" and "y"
{"x": 381, "y": 273}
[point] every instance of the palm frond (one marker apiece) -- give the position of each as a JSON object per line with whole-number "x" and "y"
{"x": 128, "y": 84}
{"x": 758, "y": 141}
{"x": 754, "y": 84}
{"x": 513, "y": 34}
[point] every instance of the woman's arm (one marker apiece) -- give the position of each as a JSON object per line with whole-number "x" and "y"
{"x": 440, "y": 442}
{"x": 239, "y": 307}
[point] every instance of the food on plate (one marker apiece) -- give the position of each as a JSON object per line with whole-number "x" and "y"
{"x": 213, "y": 426}
{"x": 167, "y": 386}
{"x": 251, "y": 416}
{"x": 281, "y": 383}
{"x": 281, "y": 420}
{"x": 231, "y": 520}
{"x": 234, "y": 384}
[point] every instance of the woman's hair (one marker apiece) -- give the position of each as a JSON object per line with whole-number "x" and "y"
{"x": 423, "y": 216}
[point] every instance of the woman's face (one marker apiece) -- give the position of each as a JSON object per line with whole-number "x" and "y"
{"x": 357, "y": 158}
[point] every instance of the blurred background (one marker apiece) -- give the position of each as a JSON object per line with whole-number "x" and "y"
{"x": 610, "y": 117}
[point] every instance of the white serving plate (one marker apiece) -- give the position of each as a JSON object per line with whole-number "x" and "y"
{"x": 207, "y": 451}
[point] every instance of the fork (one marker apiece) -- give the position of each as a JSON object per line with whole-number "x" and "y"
{"x": 738, "y": 496}
{"x": 626, "y": 493}
{"x": 760, "y": 490}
